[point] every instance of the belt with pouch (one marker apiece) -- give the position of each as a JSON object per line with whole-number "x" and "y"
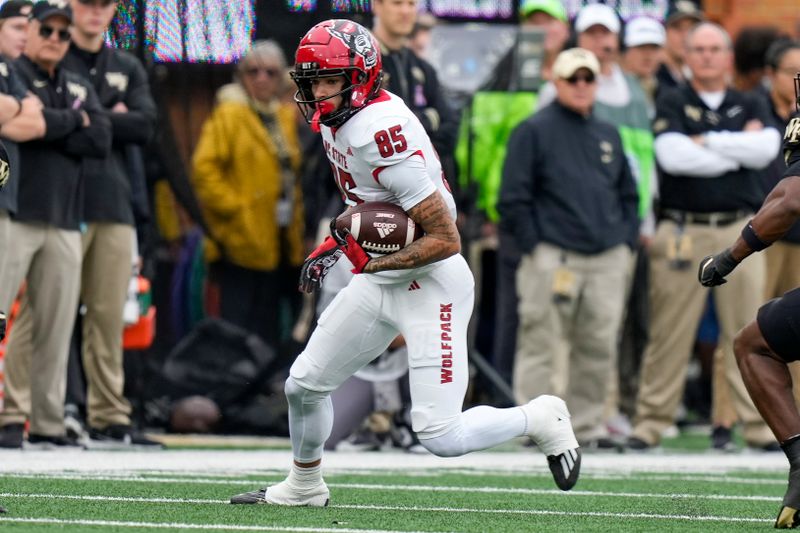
{"x": 718, "y": 218}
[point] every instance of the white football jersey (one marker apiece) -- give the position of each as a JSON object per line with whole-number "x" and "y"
{"x": 382, "y": 134}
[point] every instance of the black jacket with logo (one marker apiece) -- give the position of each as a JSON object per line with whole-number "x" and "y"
{"x": 117, "y": 76}
{"x": 682, "y": 110}
{"x": 566, "y": 181}
{"x": 11, "y": 84}
{"x": 51, "y": 189}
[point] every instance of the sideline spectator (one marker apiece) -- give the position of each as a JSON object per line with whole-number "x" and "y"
{"x": 711, "y": 142}
{"x": 412, "y": 78}
{"x": 644, "y": 52}
{"x": 574, "y": 215}
{"x": 46, "y": 229}
{"x": 20, "y": 115}
{"x": 110, "y": 235}
{"x": 750, "y": 57}
{"x": 419, "y": 40}
{"x": 681, "y": 17}
{"x": 492, "y": 113}
{"x": 621, "y": 101}
{"x": 246, "y": 175}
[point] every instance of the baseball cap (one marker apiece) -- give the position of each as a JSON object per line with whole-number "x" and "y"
{"x": 593, "y": 14}
{"x": 15, "y": 8}
{"x": 569, "y": 61}
{"x": 45, "y": 9}
{"x": 644, "y": 30}
{"x": 680, "y": 9}
{"x": 554, "y": 8}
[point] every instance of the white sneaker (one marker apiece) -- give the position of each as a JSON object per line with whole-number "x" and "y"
{"x": 283, "y": 494}
{"x": 550, "y": 427}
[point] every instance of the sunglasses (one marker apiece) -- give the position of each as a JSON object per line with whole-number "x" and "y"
{"x": 102, "y": 3}
{"x": 253, "y": 72}
{"x": 575, "y": 78}
{"x": 46, "y": 31}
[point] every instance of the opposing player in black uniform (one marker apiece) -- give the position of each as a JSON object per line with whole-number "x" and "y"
{"x": 765, "y": 346}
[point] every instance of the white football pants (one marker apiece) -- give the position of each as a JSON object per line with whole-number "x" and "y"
{"x": 432, "y": 313}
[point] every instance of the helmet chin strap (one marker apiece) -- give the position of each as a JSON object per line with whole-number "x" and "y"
{"x": 315, "y": 121}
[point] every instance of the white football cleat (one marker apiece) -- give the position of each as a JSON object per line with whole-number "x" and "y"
{"x": 550, "y": 427}
{"x": 283, "y": 494}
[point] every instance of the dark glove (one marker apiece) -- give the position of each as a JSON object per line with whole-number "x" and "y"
{"x": 714, "y": 268}
{"x": 354, "y": 252}
{"x": 318, "y": 263}
{"x": 2, "y": 325}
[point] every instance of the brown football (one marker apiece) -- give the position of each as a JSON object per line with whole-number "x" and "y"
{"x": 379, "y": 227}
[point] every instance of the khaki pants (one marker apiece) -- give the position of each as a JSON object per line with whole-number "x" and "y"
{"x": 50, "y": 259}
{"x": 585, "y": 328}
{"x": 105, "y": 273}
{"x": 676, "y": 304}
{"x": 107, "y": 250}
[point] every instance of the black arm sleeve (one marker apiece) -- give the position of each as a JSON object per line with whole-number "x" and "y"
{"x": 60, "y": 122}
{"x": 137, "y": 125}
{"x": 94, "y": 140}
{"x": 516, "y": 203}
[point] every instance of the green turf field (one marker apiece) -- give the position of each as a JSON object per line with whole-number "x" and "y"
{"x": 95, "y": 491}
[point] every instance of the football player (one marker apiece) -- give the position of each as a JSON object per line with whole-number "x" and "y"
{"x": 380, "y": 152}
{"x": 765, "y": 346}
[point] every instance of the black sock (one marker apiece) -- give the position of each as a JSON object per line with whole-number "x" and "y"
{"x": 791, "y": 447}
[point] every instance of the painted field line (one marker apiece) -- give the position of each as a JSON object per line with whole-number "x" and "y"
{"x": 484, "y": 490}
{"x": 416, "y": 508}
{"x": 279, "y": 476}
{"x": 177, "y": 525}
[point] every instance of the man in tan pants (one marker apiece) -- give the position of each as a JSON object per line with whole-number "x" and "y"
{"x": 573, "y": 212}
{"x": 45, "y": 230}
{"x": 108, "y": 238}
{"x": 710, "y": 144}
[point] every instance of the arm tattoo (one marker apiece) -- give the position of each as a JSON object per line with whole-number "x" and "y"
{"x": 441, "y": 239}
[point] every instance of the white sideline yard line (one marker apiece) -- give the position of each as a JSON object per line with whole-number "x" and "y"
{"x": 239, "y": 460}
{"x": 278, "y": 475}
{"x": 424, "y": 488}
{"x": 408, "y": 487}
{"x": 415, "y": 508}
{"x": 177, "y": 525}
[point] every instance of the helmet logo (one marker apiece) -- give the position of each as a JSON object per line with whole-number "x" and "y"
{"x": 359, "y": 41}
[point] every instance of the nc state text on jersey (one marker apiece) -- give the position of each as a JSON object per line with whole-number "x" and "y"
{"x": 335, "y": 155}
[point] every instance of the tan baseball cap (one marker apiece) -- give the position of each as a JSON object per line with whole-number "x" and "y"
{"x": 569, "y": 61}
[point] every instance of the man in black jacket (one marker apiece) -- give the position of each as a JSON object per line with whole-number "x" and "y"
{"x": 412, "y": 78}
{"x": 109, "y": 240}
{"x": 569, "y": 200}
{"x": 46, "y": 227}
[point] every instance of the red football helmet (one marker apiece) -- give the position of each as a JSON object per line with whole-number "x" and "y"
{"x": 337, "y": 47}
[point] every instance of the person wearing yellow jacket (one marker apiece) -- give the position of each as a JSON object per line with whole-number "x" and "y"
{"x": 246, "y": 177}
